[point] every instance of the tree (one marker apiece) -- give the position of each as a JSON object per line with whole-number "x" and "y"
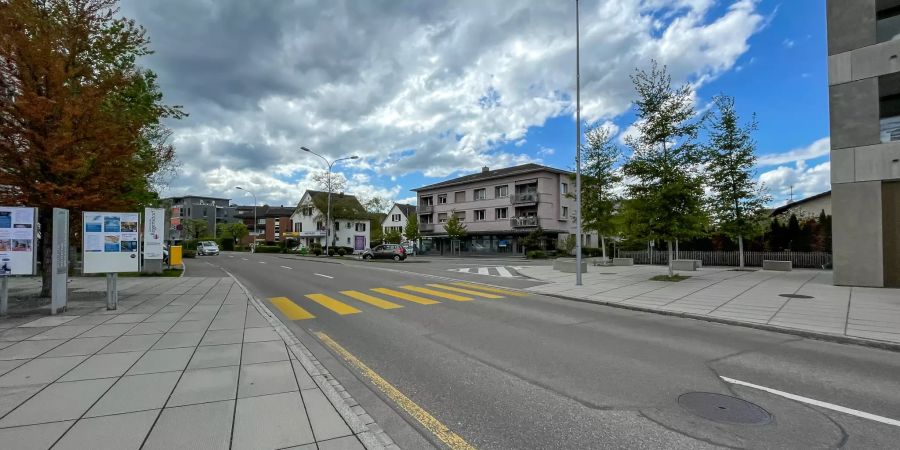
{"x": 455, "y": 229}
{"x": 195, "y": 228}
{"x": 393, "y": 237}
{"x": 412, "y": 229}
{"x": 80, "y": 123}
{"x": 599, "y": 179}
{"x": 793, "y": 232}
{"x": 238, "y": 231}
{"x": 376, "y": 204}
{"x": 329, "y": 181}
{"x": 567, "y": 244}
{"x": 534, "y": 239}
{"x": 666, "y": 195}
{"x": 737, "y": 201}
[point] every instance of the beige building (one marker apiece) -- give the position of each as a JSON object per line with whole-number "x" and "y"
{"x": 499, "y": 207}
{"x": 807, "y": 208}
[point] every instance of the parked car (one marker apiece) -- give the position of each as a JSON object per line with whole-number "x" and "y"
{"x": 390, "y": 251}
{"x": 207, "y": 248}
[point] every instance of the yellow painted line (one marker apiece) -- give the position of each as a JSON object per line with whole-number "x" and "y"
{"x": 465, "y": 291}
{"x": 290, "y": 309}
{"x": 332, "y": 304}
{"x": 405, "y": 296}
{"x": 440, "y": 431}
{"x": 491, "y": 289}
{"x": 435, "y": 293}
{"x": 374, "y": 301}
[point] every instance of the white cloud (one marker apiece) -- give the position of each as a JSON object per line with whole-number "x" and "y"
{"x": 799, "y": 181}
{"x": 817, "y": 149}
{"x": 788, "y": 43}
{"x": 435, "y": 88}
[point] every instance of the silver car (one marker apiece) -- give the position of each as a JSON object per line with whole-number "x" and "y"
{"x": 207, "y": 248}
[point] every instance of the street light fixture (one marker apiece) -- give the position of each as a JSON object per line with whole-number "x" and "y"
{"x": 330, "y": 164}
{"x": 252, "y": 246}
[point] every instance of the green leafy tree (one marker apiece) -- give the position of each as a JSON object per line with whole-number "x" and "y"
{"x": 393, "y": 237}
{"x": 195, "y": 228}
{"x": 568, "y": 244}
{"x": 238, "y": 231}
{"x": 412, "y": 229}
{"x": 666, "y": 195}
{"x": 534, "y": 239}
{"x": 737, "y": 201}
{"x": 599, "y": 179}
{"x": 455, "y": 229}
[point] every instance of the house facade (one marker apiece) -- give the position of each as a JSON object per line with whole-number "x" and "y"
{"x": 350, "y": 225}
{"x": 807, "y": 208}
{"x": 397, "y": 218}
{"x": 499, "y": 208}
{"x": 273, "y": 223}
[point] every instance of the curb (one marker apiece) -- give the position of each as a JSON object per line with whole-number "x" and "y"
{"x": 370, "y": 434}
{"x": 829, "y": 337}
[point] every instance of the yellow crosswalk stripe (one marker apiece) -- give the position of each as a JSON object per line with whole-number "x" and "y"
{"x": 434, "y": 293}
{"x": 491, "y": 289}
{"x": 405, "y": 296}
{"x": 332, "y": 304}
{"x": 464, "y": 291}
{"x": 374, "y": 301}
{"x": 290, "y": 309}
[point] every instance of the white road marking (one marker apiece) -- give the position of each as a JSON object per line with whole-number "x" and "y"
{"x": 231, "y": 256}
{"x": 483, "y": 271}
{"x": 262, "y": 262}
{"x": 325, "y": 276}
{"x": 286, "y": 267}
{"x": 245, "y": 259}
{"x": 815, "y": 402}
{"x": 503, "y": 272}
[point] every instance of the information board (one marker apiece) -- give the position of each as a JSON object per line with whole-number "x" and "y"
{"x": 154, "y": 226}
{"x": 17, "y": 240}
{"x": 110, "y": 242}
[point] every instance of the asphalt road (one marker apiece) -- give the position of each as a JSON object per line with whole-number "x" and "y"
{"x": 541, "y": 372}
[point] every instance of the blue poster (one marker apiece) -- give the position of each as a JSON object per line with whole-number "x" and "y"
{"x": 5, "y": 219}
{"x": 111, "y": 224}
{"x": 93, "y": 227}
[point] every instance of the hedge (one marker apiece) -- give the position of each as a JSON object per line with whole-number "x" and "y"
{"x": 268, "y": 249}
{"x": 189, "y": 253}
{"x": 536, "y": 254}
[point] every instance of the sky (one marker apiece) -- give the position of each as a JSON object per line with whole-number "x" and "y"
{"x": 426, "y": 90}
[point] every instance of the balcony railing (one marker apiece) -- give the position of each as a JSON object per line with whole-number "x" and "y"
{"x": 524, "y": 222}
{"x": 426, "y": 227}
{"x": 426, "y": 209}
{"x": 525, "y": 197}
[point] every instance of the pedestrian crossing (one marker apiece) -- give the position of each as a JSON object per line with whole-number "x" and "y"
{"x": 344, "y": 303}
{"x": 492, "y": 271}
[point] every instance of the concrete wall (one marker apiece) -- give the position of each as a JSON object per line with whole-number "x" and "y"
{"x": 857, "y": 234}
{"x": 851, "y": 24}
{"x": 890, "y": 207}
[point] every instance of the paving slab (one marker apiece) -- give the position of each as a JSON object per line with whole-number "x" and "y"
{"x": 267, "y": 351}
{"x": 57, "y": 402}
{"x": 136, "y": 393}
{"x": 134, "y": 343}
{"x": 177, "y": 340}
{"x": 344, "y": 443}
{"x": 118, "y": 432}
{"x": 29, "y": 349}
{"x": 267, "y": 378}
{"x": 62, "y": 332}
{"x": 271, "y": 421}
{"x": 51, "y": 321}
{"x": 162, "y": 361}
{"x": 216, "y": 356}
{"x": 103, "y": 366}
{"x": 326, "y": 422}
{"x": 40, "y": 371}
{"x": 80, "y": 346}
{"x": 34, "y": 437}
{"x": 205, "y": 385}
{"x": 218, "y": 337}
{"x": 12, "y": 397}
{"x": 206, "y": 426}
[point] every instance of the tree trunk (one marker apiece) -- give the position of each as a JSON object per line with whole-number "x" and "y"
{"x": 603, "y": 244}
{"x": 676, "y": 249}
{"x": 741, "y": 250}
{"x": 45, "y": 219}
{"x": 671, "y": 272}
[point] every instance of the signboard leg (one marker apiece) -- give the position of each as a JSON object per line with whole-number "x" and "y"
{"x": 112, "y": 293}
{"x": 4, "y": 295}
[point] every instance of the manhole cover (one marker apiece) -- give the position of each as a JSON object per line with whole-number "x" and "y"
{"x": 795, "y": 296}
{"x": 724, "y": 408}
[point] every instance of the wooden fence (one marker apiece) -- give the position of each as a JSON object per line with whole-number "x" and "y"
{"x": 799, "y": 259}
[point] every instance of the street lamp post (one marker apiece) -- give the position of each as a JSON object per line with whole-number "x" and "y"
{"x": 577, "y": 149}
{"x": 330, "y": 164}
{"x": 253, "y": 245}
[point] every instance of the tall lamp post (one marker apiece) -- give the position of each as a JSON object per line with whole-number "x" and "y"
{"x": 253, "y": 246}
{"x": 577, "y": 150}
{"x": 330, "y": 164}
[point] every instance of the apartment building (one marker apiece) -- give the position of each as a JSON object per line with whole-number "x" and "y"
{"x": 499, "y": 207}
{"x": 213, "y": 210}
{"x": 350, "y": 221}
{"x": 864, "y": 95}
{"x": 273, "y": 223}
{"x": 397, "y": 218}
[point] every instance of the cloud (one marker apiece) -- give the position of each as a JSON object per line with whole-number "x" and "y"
{"x": 815, "y": 150}
{"x": 436, "y": 88}
{"x": 799, "y": 182}
{"x": 788, "y": 43}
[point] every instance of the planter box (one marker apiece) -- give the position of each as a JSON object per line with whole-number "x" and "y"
{"x": 686, "y": 264}
{"x": 623, "y": 261}
{"x": 783, "y": 266}
{"x": 568, "y": 265}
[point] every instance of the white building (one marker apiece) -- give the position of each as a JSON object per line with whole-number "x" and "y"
{"x": 350, "y": 222}
{"x": 397, "y": 219}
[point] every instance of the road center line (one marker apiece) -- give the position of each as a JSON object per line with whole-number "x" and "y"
{"x": 286, "y": 267}
{"x": 831, "y": 406}
{"x": 453, "y": 440}
{"x": 325, "y": 276}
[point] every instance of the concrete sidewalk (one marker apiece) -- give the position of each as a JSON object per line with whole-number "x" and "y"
{"x": 757, "y": 298}
{"x": 184, "y": 363}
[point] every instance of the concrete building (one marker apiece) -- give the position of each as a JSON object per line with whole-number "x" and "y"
{"x": 864, "y": 94}
{"x": 211, "y": 209}
{"x": 273, "y": 222}
{"x": 807, "y": 208}
{"x": 350, "y": 221}
{"x": 499, "y": 207}
{"x": 397, "y": 218}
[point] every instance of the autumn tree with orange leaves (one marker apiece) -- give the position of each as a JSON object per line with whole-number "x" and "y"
{"x": 80, "y": 123}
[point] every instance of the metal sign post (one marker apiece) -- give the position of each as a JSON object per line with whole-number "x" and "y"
{"x": 60, "y": 260}
{"x": 4, "y": 294}
{"x": 112, "y": 293}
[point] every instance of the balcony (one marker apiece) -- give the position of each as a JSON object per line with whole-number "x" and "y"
{"x": 524, "y": 198}
{"x": 524, "y": 222}
{"x": 426, "y": 209}
{"x": 426, "y": 227}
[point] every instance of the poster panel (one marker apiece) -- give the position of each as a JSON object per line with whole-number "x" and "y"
{"x": 154, "y": 231}
{"x": 110, "y": 242}
{"x": 18, "y": 228}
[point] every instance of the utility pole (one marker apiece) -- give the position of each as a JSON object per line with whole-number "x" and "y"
{"x": 577, "y": 149}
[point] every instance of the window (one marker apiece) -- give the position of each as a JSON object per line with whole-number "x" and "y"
{"x": 360, "y": 227}
{"x": 442, "y": 199}
{"x": 479, "y": 215}
{"x": 337, "y": 226}
{"x": 564, "y": 188}
{"x": 565, "y": 213}
{"x": 889, "y": 107}
{"x": 480, "y": 194}
{"x": 442, "y": 217}
{"x": 459, "y": 197}
{"x": 887, "y": 25}
{"x": 500, "y": 213}
{"x": 349, "y": 225}
{"x": 189, "y": 212}
{"x": 501, "y": 191}
{"x": 298, "y": 227}
{"x": 348, "y": 239}
{"x": 395, "y": 217}
{"x": 320, "y": 226}
{"x": 461, "y": 215}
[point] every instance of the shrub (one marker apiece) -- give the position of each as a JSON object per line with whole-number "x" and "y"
{"x": 189, "y": 253}
{"x": 536, "y": 254}
{"x": 268, "y": 249}
{"x": 341, "y": 251}
{"x": 227, "y": 244}
{"x": 189, "y": 244}
{"x": 331, "y": 251}
{"x": 317, "y": 250}
{"x": 591, "y": 252}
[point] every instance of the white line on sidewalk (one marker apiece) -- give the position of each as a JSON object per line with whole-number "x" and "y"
{"x": 286, "y": 267}
{"x": 326, "y": 276}
{"x": 815, "y": 402}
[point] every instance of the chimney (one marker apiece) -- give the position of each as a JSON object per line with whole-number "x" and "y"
{"x": 485, "y": 169}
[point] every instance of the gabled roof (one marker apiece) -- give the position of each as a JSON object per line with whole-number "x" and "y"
{"x": 407, "y": 210}
{"x": 343, "y": 206}
{"x": 489, "y": 174}
{"x": 792, "y": 205}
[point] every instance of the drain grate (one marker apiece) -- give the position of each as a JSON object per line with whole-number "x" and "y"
{"x": 724, "y": 408}
{"x": 795, "y": 296}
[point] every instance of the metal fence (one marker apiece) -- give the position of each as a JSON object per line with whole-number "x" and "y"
{"x": 799, "y": 259}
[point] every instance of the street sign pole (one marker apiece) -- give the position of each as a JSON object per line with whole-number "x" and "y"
{"x": 112, "y": 294}
{"x": 4, "y": 294}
